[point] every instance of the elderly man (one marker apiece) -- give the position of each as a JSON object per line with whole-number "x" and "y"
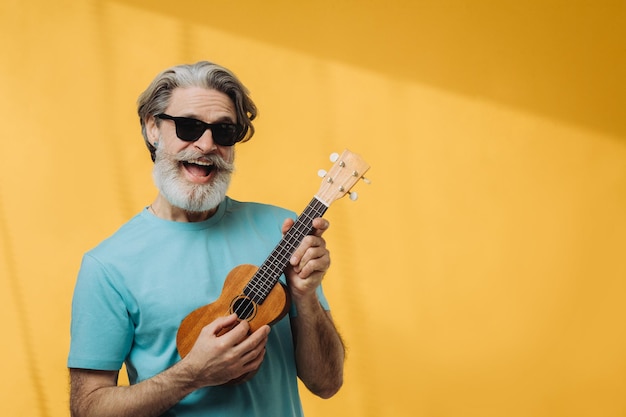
{"x": 136, "y": 287}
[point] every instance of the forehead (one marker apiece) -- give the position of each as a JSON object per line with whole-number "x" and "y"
{"x": 200, "y": 102}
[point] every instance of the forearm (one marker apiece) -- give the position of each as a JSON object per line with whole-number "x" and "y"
{"x": 214, "y": 360}
{"x": 93, "y": 397}
{"x": 319, "y": 349}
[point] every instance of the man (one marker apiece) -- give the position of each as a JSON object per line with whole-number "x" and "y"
{"x": 135, "y": 288}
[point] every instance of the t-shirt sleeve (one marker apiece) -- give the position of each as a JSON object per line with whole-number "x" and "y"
{"x": 101, "y": 329}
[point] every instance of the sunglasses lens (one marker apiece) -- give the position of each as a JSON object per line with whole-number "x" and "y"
{"x": 225, "y": 134}
{"x": 189, "y": 129}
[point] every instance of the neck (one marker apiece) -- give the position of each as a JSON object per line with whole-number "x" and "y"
{"x": 161, "y": 208}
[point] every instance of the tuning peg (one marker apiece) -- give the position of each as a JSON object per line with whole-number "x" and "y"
{"x": 366, "y": 180}
{"x": 353, "y": 196}
{"x": 321, "y": 173}
{"x": 334, "y": 156}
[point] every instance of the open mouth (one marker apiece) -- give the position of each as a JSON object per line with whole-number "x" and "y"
{"x": 199, "y": 168}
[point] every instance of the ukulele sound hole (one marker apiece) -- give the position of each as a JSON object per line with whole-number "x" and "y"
{"x": 244, "y": 307}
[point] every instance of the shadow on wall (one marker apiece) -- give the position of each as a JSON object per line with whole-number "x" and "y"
{"x": 558, "y": 59}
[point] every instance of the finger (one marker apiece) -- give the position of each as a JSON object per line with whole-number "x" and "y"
{"x": 223, "y": 324}
{"x": 233, "y": 329}
{"x": 318, "y": 265}
{"x": 251, "y": 350}
{"x": 311, "y": 247}
{"x": 259, "y": 337}
{"x": 253, "y": 343}
{"x": 320, "y": 225}
{"x": 287, "y": 225}
{"x": 253, "y": 359}
{"x": 314, "y": 259}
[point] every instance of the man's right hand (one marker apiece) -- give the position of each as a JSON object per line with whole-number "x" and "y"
{"x": 220, "y": 357}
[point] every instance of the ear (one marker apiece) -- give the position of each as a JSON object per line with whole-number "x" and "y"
{"x": 152, "y": 130}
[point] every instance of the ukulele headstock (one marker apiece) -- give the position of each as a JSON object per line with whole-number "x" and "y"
{"x": 348, "y": 169}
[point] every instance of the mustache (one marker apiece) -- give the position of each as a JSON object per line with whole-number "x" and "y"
{"x": 187, "y": 155}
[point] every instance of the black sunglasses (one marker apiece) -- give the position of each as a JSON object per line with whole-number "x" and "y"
{"x": 190, "y": 130}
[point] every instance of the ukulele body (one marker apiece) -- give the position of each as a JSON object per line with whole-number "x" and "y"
{"x": 233, "y": 300}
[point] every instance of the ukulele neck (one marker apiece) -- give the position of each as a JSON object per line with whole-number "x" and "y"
{"x": 270, "y": 271}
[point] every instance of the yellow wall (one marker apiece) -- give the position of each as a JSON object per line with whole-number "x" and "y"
{"x": 481, "y": 274}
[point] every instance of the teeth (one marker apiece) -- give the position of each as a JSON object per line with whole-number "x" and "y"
{"x": 198, "y": 162}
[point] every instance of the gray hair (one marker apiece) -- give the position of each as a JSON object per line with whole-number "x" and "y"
{"x": 205, "y": 74}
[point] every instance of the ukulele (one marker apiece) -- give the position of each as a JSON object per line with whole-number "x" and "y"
{"x": 250, "y": 291}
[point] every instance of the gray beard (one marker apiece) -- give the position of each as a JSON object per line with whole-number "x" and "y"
{"x": 187, "y": 196}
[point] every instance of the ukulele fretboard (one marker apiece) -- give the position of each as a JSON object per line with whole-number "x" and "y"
{"x": 270, "y": 271}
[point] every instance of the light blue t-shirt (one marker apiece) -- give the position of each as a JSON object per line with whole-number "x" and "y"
{"x": 134, "y": 289}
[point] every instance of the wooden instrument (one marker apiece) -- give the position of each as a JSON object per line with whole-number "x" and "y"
{"x": 250, "y": 291}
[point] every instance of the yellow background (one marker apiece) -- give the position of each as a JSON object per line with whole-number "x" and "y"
{"x": 481, "y": 273}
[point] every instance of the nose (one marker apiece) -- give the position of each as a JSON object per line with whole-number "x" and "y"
{"x": 205, "y": 144}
